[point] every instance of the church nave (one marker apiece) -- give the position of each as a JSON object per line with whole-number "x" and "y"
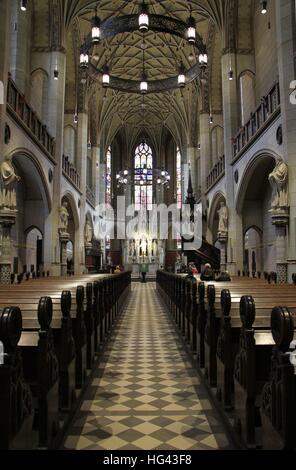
{"x": 146, "y": 394}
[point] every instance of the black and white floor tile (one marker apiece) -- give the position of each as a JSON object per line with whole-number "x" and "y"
{"x": 146, "y": 394}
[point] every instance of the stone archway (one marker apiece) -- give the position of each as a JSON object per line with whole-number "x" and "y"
{"x": 73, "y": 236}
{"x": 253, "y": 203}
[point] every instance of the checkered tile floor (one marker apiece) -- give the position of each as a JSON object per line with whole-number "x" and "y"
{"x": 146, "y": 395}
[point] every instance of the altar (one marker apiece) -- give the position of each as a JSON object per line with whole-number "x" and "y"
{"x": 151, "y": 268}
{"x": 143, "y": 252}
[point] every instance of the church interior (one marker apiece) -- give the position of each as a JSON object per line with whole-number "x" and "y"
{"x": 120, "y": 328}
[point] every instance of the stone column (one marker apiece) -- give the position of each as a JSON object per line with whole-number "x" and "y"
{"x": 4, "y": 64}
{"x": 96, "y": 171}
{"x": 7, "y": 220}
{"x": 205, "y": 152}
{"x": 230, "y": 120}
{"x": 286, "y": 26}
{"x": 64, "y": 238}
{"x": 223, "y": 247}
{"x": 56, "y": 102}
{"x": 20, "y": 44}
{"x": 82, "y": 137}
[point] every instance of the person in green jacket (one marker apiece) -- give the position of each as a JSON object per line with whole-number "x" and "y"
{"x": 143, "y": 270}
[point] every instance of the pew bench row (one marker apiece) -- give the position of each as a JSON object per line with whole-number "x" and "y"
{"x": 243, "y": 342}
{"x": 50, "y": 339}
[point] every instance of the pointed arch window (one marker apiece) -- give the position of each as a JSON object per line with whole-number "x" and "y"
{"x": 109, "y": 177}
{"x": 179, "y": 190}
{"x": 143, "y": 177}
{"x": 179, "y": 178}
{"x": 108, "y": 186}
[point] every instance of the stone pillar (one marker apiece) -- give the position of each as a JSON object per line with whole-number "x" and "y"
{"x": 64, "y": 238}
{"x": 82, "y": 138}
{"x": 56, "y": 102}
{"x": 20, "y": 44}
{"x": 281, "y": 219}
{"x": 223, "y": 247}
{"x": 7, "y": 220}
{"x": 205, "y": 152}
{"x": 286, "y": 25}
{"x": 96, "y": 171}
{"x": 4, "y": 63}
{"x": 230, "y": 120}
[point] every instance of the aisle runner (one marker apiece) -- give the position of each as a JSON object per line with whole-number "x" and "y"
{"x": 146, "y": 395}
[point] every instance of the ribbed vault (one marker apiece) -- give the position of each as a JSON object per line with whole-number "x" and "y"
{"x": 162, "y": 54}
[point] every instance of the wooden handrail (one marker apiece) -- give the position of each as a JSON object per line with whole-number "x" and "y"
{"x": 216, "y": 172}
{"x": 32, "y": 124}
{"x": 268, "y": 107}
{"x": 70, "y": 170}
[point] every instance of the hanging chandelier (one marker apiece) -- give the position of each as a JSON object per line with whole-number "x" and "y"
{"x": 161, "y": 177}
{"x": 143, "y": 21}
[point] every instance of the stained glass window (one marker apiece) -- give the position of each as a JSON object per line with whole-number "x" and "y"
{"x": 143, "y": 177}
{"x": 179, "y": 179}
{"x": 108, "y": 186}
{"x": 179, "y": 189}
{"x": 109, "y": 177}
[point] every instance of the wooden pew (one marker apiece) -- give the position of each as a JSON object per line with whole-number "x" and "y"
{"x": 47, "y": 346}
{"x": 259, "y": 396}
{"x": 16, "y": 405}
{"x": 262, "y": 294}
{"x": 68, "y": 324}
{"x": 40, "y": 367}
{"x": 278, "y": 403}
{"x": 250, "y": 374}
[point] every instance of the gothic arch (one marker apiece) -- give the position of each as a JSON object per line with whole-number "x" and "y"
{"x": 219, "y": 197}
{"x": 68, "y": 196}
{"x": 262, "y": 157}
{"x": 26, "y": 160}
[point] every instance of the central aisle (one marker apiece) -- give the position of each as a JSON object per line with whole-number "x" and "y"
{"x": 146, "y": 394}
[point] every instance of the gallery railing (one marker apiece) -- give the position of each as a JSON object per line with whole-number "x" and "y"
{"x": 269, "y": 108}
{"x": 90, "y": 196}
{"x": 70, "y": 172}
{"x": 216, "y": 173}
{"x": 22, "y": 112}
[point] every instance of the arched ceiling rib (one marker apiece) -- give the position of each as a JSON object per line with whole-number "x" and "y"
{"x": 162, "y": 53}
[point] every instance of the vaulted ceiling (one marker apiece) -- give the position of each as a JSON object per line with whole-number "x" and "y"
{"x": 163, "y": 53}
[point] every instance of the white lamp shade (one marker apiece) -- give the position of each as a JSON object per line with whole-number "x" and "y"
{"x": 106, "y": 79}
{"x": 84, "y": 59}
{"x": 143, "y": 21}
{"x": 181, "y": 79}
{"x": 203, "y": 59}
{"x": 191, "y": 34}
{"x": 95, "y": 33}
{"x": 144, "y": 86}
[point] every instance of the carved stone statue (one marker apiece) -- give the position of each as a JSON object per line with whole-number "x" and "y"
{"x": 64, "y": 218}
{"x": 88, "y": 233}
{"x": 278, "y": 179}
{"x": 8, "y": 178}
{"x": 223, "y": 219}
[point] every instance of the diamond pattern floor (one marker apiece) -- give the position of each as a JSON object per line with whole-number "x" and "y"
{"x": 146, "y": 394}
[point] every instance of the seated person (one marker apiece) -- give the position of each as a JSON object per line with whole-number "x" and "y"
{"x": 223, "y": 277}
{"x": 208, "y": 273}
{"x": 194, "y": 269}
